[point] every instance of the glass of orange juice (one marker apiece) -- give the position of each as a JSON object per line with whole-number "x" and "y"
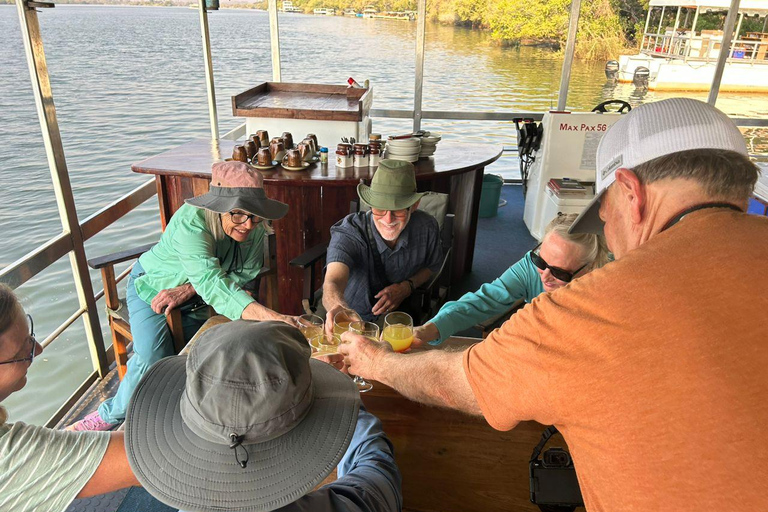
{"x": 310, "y": 325}
{"x": 342, "y": 319}
{"x": 398, "y": 331}
{"x": 370, "y": 331}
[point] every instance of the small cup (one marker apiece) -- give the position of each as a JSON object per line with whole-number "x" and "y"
{"x": 312, "y": 145}
{"x": 306, "y": 151}
{"x": 264, "y": 157}
{"x": 256, "y": 140}
{"x": 239, "y": 153}
{"x": 263, "y": 136}
{"x": 314, "y": 139}
{"x": 293, "y": 158}
{"x": 277, "y": 148}
{"x": 287, "y": 140}
{"x": 250, "y": 149}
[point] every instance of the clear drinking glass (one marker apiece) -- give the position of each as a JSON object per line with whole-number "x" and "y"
{"x": 370, "y": 331}
{"x": 323, "y": 345}
{"x": 310, "y": 325}
{"x": 398, "y": 331}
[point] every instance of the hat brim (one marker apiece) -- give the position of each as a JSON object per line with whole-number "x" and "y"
{"x": 589, "y": 220}
{"x": 187, "y": 472}
{"x": 225, "y": 200}
{"x": 387, "y": 201}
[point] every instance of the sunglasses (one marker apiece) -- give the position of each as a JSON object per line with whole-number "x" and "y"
{"x": 558, "y": 273}
{"x": 32, "y": 342}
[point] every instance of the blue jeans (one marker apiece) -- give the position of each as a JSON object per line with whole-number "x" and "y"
{"x": 152, "y": 341}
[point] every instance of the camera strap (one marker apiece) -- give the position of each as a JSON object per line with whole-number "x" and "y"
{"x": 548, "y": 432}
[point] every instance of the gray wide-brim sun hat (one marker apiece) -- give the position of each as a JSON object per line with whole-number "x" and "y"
{"x": 393, "y": 186}
{"x": 238, "y": 186}
{"x": 296, "y": 417}
{"x": 651, "y": 131}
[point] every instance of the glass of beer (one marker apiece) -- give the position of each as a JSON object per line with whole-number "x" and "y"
{"x": 370, "y": 331}
{"x": 398, "y": 331}
{"x": 310, "y": 325}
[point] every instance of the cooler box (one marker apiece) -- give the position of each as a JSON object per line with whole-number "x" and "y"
{"x": 555, "y": 204}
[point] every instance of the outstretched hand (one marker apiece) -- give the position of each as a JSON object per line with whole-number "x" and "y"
{"x": 424, "y": 334}
{"x": 363, "y": 357}
{"x": 335, "y": 360}
{"x": 166, "y": 300}
{"x": 390, "y": 298}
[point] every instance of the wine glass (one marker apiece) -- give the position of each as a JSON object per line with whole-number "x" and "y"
{"x": 342, "y": 319}
{"x": 398, "y": 331}
{"x": 310, "y": 325}
{"x": 370, "y": 331}
{"x": 323, "y": 345}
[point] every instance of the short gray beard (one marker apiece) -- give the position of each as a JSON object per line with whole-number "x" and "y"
{"x": 405, "y": 223}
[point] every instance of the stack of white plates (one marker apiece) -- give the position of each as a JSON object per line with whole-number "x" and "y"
{"x": 429, "y": 144}
{"x": 404, "y": 149}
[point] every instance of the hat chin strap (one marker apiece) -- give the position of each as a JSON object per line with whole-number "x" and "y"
{"x": 236, "y": 442}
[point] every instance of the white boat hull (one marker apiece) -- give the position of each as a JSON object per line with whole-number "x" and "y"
{"x": 679, "y": 75}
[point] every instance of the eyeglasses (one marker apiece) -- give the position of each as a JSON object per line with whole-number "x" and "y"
{"x": 32, "y": 341}
{"x": 398, "y": 214}
{"x": 242, "y": 218}
{"x": 558, "y": 273}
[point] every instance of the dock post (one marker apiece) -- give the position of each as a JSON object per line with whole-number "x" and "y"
{"x": 49, "y": 125}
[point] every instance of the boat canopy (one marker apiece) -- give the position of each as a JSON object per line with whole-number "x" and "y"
{"x": 748, "y": 7}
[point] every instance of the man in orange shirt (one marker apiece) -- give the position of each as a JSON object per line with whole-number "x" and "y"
{"x": 655, "y": 367}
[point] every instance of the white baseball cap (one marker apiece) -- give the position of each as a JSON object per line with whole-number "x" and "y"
{"x": 651, "y": 131}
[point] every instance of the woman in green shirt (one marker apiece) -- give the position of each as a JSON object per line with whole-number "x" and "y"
{"x": 559, "y": 258}
{"x": 212, "y": 247}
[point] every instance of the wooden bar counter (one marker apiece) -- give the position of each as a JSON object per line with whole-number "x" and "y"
{"x": 319, "y": 197}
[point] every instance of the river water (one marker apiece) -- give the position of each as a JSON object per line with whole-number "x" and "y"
{"x": 128, "y": 82}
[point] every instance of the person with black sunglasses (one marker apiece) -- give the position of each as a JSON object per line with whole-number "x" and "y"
{"x": 213, "y": 247}
{"x": 555, "y": 262}
{"x": 42, "y": 469}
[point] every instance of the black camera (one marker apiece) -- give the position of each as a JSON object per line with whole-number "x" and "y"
{"x": 554, "y": 486}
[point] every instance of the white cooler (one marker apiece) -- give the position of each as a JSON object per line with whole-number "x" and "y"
{"x": 555, "y": 204}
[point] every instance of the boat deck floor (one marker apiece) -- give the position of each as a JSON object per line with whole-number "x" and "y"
{"x": 501, "y": 241}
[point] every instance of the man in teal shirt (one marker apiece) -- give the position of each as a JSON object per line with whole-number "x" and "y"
{"x": 212, "y": 247}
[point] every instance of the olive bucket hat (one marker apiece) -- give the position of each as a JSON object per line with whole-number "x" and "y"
{"x": 238, "y": 186}
{"x": 393, "y": 187}
{"x": 245, "y": 422}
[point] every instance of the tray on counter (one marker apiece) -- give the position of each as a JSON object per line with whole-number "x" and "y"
{"x": 303, "y": 101}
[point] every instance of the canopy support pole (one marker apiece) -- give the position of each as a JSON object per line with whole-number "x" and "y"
{"x": 661, "y": 19}
{"x": 274, "y": 41}
{"x": 570, "y": 49}
{"x": 212, "y": 113}
{"x": 725, "y": 50}
{"x": 57, "y": 162}
{"x": 421, "y": 34}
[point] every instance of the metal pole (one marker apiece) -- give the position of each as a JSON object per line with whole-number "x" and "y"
{"x": 674, "y": 32}
{"x": 274, "y": 40}
{"x": 661, "y": 19}
{"x": 209, "y": 71}
{"x": 46, "y": 112}
{"x": 570, "y": 48}
{"x": 693, "y": 34}
{"x": 421, "y": 34}
{"x": 725, "y": 50}
{"x": 738, "y": 27}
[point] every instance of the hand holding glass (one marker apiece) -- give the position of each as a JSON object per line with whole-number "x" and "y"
{"x": 370, "y": 331}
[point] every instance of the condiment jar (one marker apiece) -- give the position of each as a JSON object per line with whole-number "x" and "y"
{"x": 324, "y": 156}
{"x": 374, "y": 157}
{"x": 343, "y": 159}
{"x": 361, "y": 156}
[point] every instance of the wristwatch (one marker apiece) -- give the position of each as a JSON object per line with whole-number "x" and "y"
{"x": 410, "y": 283}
